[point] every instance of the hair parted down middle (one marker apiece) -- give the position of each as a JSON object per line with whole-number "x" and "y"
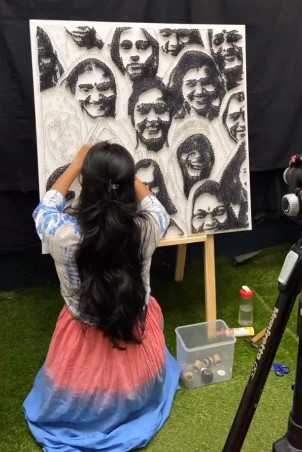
{"x": 109, "y": 257}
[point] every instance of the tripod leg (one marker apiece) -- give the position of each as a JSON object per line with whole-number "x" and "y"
{"x": 292, "y": 440}
{"x": 289, "y": 286}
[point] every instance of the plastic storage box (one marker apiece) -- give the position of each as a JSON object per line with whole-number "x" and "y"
{"x": 205, "y": 352}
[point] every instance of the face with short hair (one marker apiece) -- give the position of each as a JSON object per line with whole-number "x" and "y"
{"x": 199, "y": 89}
{"x": 209, "y": 214}
{"x": 152, "y": 119}
{"x": 135, "y": 51}
{"x": 95, "y": 91}
{"x": 235, "y": 119}
{"x": 226, "y": 46}
{"x": 172, "y": 41}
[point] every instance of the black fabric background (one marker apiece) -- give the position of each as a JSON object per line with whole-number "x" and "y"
{"x": 274, "y": 82}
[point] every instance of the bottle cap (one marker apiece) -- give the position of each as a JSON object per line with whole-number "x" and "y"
{"x": 246, "y": 292}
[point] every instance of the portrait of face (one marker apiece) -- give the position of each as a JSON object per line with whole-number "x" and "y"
{"x": 85, "y": 36}
{"x": 93, "y": 86}
{"x": 226, "y": 49}
{"x": 148, "y": 171}
{"x": 196, "y": 159}
{"x": 199, "y": 90}
{"x": 197, "y": 86}
{"x": 152, "y": 119}
{"x": 173, "y": 40}
{"x": 50, "y": 68}
{"x": 150, "y": 114}
{"x": 209, "y": 214}
{"x": 234, "y": 117}
{"x": 135, "y": 52}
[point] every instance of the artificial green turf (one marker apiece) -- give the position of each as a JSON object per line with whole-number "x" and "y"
{"x": 200, "y": 418}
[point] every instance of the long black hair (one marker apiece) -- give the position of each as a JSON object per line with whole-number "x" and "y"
{"x": 109, "y": 257}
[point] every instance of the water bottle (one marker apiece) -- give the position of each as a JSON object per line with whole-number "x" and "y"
{"x": 245, "y": 316}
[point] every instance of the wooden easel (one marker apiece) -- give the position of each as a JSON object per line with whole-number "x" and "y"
{"x": 209, "y": 267}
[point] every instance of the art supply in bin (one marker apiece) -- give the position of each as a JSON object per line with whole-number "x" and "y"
{"x": 237, "y": 332}
{"x": 204, "y": 360}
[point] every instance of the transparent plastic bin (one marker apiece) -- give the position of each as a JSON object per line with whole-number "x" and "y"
{"x": 205, "y": 352}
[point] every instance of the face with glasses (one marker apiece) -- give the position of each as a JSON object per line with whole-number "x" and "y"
{"x": 226, "y": 46}
{"x": 152, "y": 119}
{"x": 135, "y": 52}
{"x": 209, "y": 214}
{"x": 199, "y": 88}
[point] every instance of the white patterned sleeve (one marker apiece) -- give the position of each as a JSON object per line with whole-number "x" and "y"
{"x": 54, "y": 227}
{"x": 152, "y": 205}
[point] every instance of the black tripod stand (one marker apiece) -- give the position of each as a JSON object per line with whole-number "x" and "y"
{"x": 290, "y": 285}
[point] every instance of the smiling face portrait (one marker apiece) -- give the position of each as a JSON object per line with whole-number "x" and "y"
{"x": 135, "y": 52}
{"x": 85, "y": 36}
{"x": 196, "y": 159}
{"x": 198, "y": 89}
{"x": 226, "y": 47}
{"x": 173, "y": 40}
{"x": 197, "y": 85}
{"x": 149, "y": 108}
{"x": 93, "y": 85}
{"x": 234, "y": 117}
{"x": 210, "y": 213}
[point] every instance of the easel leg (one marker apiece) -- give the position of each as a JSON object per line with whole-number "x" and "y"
{"x": 180, "y": 262}
{"x": 209, "y": 279}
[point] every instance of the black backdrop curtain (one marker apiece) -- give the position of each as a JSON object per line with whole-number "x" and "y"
{"x": 274, "y": 81}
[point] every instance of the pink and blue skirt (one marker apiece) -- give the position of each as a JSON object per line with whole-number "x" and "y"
{"x": 89, "y": 396}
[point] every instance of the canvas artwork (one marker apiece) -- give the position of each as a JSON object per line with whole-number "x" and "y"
{"x": 173, "y": 95}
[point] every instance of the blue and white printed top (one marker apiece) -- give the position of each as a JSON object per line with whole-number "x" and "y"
{"x": 61, "y": 235}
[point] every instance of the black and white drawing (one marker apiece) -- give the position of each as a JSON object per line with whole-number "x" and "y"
{"x": 197, "y": 85}
{"x": 173, "y": 40}
{"x": 85, "y": 36}
{"x": 174, "y": 95}
{"x": 233, "y": 116}
{"x": 211, "y": 210}
{"x": 50, "y": 69}
{"x": 227, "y": 50}
{"x": 93, "y": 85}
{"x": 196, "y": 158}
{"x": 150, "y": 110}
{"x": 135, "y": 52}
{"x": 149, "y": 172}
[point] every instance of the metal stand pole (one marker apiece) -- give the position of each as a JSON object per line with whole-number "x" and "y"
{"x": 292, "y": 440}
{"x": 290, "y": 285}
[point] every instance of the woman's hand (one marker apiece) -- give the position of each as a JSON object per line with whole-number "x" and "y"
{"x": 66, "y": 179}
{"x": 80, "y": 157}
{"x": 141, "y": 189}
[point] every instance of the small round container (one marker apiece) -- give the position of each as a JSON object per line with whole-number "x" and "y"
{"x": 246, "y": 306}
